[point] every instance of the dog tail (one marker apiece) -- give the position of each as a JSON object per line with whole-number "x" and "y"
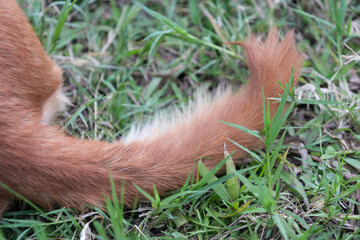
{"x": 47, "y": 167}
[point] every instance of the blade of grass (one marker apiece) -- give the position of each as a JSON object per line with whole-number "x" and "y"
{"x": 62, "y": 18}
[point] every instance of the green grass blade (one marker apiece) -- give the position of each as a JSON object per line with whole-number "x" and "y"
{"x": 244, "y": 129}
{"x": 233, "y": 185}
{"x": 219, "y": 188}
{"x": 62, "y": 18}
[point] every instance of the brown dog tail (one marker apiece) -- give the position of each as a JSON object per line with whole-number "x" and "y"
{"x": 48, "y": 167}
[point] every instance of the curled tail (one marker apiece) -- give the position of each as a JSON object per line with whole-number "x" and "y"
{"x": 47, "y": 167}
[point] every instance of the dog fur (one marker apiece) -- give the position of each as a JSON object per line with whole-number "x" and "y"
{"x": 49, "y": 168}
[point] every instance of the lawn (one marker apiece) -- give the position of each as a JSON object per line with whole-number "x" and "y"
{"x": 124, "y": 61}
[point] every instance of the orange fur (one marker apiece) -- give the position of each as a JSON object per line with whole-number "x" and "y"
{"x": 48, "y": 167}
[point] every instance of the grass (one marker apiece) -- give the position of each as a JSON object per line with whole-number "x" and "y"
{"x": 124, "y": 61}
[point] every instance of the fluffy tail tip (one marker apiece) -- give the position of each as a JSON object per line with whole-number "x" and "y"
{"x": 272, "y": 60}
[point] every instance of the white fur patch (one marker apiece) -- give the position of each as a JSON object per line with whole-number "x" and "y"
{"x": 54, "y": 104}
{"x": 164, "y": 122}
